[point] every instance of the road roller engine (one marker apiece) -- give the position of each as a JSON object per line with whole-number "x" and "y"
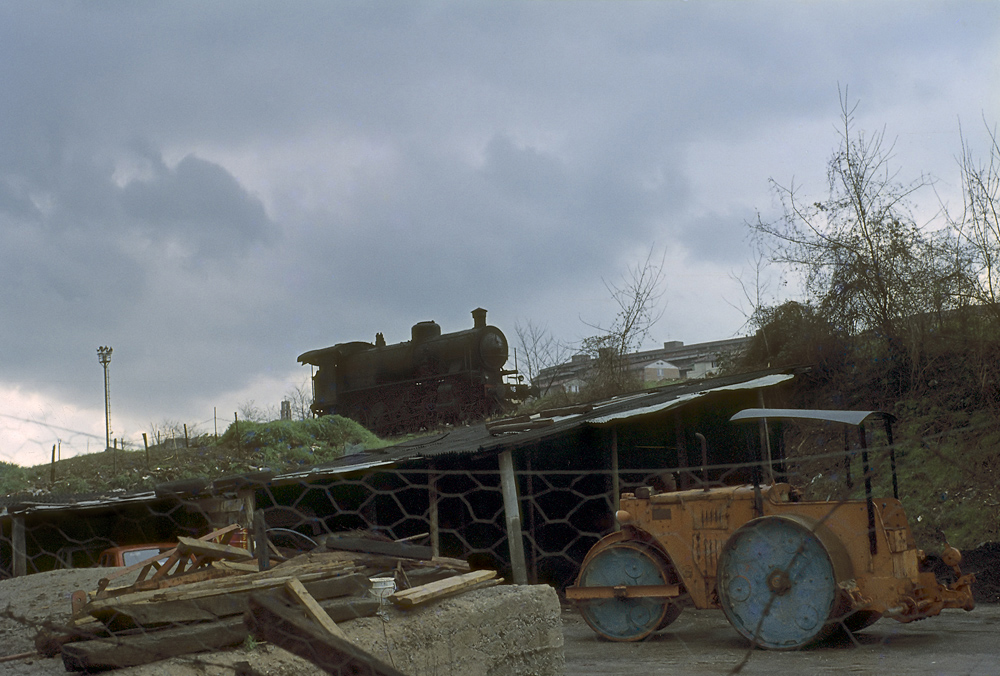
{"x": 786, "y": 572}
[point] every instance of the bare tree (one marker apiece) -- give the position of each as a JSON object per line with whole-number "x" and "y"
{"x": 301, "y": 399}
{"x": 979, "y": 225}
{"x": 171, "y": 429}
{"x": 638, "y": 296}
{"x": 251, "y": 412}
{"x": 537, "y": 351}
{"x": 867, "y": 265}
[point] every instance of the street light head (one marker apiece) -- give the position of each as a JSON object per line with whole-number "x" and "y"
{"x": 104, "y": 355}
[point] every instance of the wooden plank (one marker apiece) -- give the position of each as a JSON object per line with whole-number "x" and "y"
{"x": 351, "y": 608}
{"x": 236, "y": 566}
{"x": 273, "y": 619}
{"x": 152, "y": 609}
{"x": 152, "y": 561}
{"x": 189, "y": 577}
{"x": 455, "y": 564}
{"x": 212, "y": 549}
{"x": 162, "y": 570}
{"x": 146, "y": 647}
{"x": 313, "y": 609}
{"x": 367, "y": 546}
{"x": 512, "y": 512}
{"x": 440, "y": 588}
{"x": 224, "y": 585}
{"x": 103, "y": 583}
{"x": 18, "y": 656}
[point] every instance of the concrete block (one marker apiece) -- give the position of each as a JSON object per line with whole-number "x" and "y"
{"x": 507, "y": 630}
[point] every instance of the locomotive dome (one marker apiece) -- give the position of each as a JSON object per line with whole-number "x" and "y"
{"x": 422, "y": 331}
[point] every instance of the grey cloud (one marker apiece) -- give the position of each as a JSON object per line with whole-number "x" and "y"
{"x": 532, "y": 146}
{"x": 200, "y": 202}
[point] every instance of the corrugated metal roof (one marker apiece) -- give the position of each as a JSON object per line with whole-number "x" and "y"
{"x": 26, "y": 506}
{"x": 765, "y": 381}
{"x": 475, "y": 439}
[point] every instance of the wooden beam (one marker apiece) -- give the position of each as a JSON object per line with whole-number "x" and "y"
{"x": 260, "y": 541}
{"x": 432, "y": 516}
{"x": 300, "y": 594}
{"x": 272, "y": 618}
{"x": 136, "y": 649}
{"x": 212, "y": 550}
{"x": 512, "y": 510}
{"x": 210, "y": 600}
{"x": 623, "y": 592}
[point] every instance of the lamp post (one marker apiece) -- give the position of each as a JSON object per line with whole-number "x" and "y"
{"x": 104, "y": 356}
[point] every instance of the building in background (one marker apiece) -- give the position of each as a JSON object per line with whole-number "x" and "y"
{"x": 674, "y": 361}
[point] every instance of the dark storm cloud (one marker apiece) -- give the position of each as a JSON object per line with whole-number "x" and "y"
{"x": 215, "y": 188}
{"x": 199, "y": 203}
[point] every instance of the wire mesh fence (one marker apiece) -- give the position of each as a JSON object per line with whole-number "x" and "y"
{"x": 460, "y": 514}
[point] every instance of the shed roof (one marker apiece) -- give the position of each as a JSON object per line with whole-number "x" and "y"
{"x": 472, "y": 439}
{"x": 478, "y": 439}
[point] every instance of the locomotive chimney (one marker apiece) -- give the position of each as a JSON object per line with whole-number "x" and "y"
{"x": 478, "y": 318}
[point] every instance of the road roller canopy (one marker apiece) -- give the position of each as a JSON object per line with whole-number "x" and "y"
{"x": 847, "y": 417}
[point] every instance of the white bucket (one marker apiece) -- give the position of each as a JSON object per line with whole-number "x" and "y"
{"x": 382, "y": 588}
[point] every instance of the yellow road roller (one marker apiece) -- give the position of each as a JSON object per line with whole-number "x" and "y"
{"x": 786, "y": 571}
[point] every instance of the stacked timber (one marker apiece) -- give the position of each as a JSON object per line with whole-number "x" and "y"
{"x": 222, "y": 597}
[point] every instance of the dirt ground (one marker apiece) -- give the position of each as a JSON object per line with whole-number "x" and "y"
{"x": 45, "y": 597}
{"x": 700, "y": 643}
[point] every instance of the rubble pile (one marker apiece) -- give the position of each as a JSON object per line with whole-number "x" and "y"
{"x": 344, "y": 610}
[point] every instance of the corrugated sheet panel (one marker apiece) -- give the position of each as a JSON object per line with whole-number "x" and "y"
{"x": 764, "y": 381}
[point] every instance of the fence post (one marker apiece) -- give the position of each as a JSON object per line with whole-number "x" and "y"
{"x": 432, "y": 515}
{"x": 53, "y": 477}
{"x": 19, "y": 550}
{"x": 260, "y": 541}
{"x": 513, "y": 512}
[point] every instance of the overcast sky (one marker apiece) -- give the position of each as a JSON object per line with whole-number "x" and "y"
{"x": 214, "y": 188}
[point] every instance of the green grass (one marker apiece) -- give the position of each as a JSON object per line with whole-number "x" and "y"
{"x": 244, "y": 447}
{"x": 948, "y": 472}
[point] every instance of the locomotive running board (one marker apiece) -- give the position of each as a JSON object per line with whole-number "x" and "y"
{"x": 623, "y": 592}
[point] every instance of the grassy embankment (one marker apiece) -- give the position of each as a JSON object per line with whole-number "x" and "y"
{"x": 244, "y": 447}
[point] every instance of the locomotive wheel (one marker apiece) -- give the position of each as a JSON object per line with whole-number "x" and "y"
{"x": 778, "y": 582}
{"x": 621, "y": 619}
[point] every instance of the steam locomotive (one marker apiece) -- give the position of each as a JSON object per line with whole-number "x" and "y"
{"x": 431, "y": 379}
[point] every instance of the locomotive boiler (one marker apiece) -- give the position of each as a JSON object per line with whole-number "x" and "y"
{"x": 431, "y": 379}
